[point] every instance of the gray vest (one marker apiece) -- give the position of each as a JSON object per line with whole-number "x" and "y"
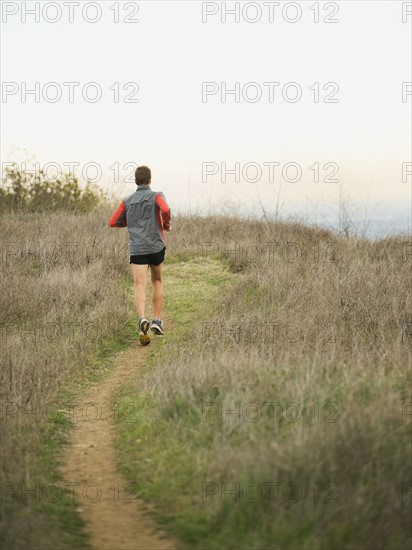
{"x": 143, "y": 221}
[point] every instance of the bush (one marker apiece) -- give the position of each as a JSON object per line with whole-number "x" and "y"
{"x": 23, "y": 190}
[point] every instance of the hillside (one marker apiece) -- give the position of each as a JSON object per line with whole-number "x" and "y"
{"x": 275, "y": 412}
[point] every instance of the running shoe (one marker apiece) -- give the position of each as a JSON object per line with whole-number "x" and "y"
{"x": 144, "y": 336}
{"x": 157, "y": 327}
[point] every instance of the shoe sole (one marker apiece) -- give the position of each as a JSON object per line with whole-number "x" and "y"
{"x": 157, "y": 331}
{"x": 144, "y": 336}
{"x": 144, "y": 339}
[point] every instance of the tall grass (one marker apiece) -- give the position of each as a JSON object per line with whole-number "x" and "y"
{"x": 308, "y": 319}
{"x": 296, "y": 382}
{"x": 64, "y": 301}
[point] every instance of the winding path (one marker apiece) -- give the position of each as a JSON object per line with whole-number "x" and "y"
{"x": 116, "y": 518}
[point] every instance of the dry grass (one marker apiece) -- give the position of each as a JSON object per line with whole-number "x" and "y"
{"x": 315, "y": 326}
{"x": 310, "y": 319}
{"x": 63, "y": 300}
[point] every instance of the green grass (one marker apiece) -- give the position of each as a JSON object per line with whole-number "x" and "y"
{"x": 192, "y": 290}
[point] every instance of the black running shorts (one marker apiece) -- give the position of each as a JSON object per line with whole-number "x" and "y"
{"x": 148, "y": 259}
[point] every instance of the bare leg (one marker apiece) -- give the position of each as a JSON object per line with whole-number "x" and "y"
{"x": 156, "y": 271}
{"x": 140, "y": 278}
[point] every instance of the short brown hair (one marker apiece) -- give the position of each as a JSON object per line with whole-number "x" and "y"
{"x": 142, "y": 175}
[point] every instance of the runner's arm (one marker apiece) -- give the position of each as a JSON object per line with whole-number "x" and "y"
{"x": 119, "y": 217}
{"x": 164, "y": 211}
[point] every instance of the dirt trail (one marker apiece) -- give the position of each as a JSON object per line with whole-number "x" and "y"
{"x": 118, "y": 520}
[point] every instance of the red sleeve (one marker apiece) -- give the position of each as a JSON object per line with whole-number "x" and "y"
{"x": 164, "y": 210}
{"x": 119, "y": 217}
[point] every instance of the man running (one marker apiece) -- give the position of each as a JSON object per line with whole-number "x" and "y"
{"x": 146, "y": 214}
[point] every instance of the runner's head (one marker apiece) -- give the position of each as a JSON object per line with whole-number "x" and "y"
{"x": 143, "y": 175}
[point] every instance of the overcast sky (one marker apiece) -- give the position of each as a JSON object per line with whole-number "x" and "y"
{"x": 327, "y": 95}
